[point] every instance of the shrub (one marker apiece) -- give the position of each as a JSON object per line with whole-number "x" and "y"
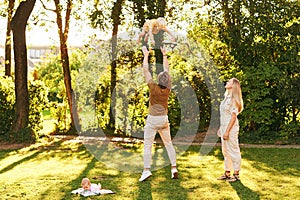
{"x": 7, "y": 101}
{"x": 37, "y": 102}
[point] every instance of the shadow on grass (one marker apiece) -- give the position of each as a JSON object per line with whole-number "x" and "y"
{"x": 64, "y": 152}
{"x": 55, "y": 149}
{"x": 284, "y": 160}
{"x": 116, "y": 156}
{"x": 269, "y": 160}
{"x": 160, "y": 182}
{"x": 13, "y": 165}
{"x": 27, "y": 158}
{"x": 244, "y": 192}
{"x": 80, "y": 152}
{"x": 145, "y": 187}
{"x": 5, "y": 153}
{"x": 166, "y": 189}
{"x": 145, "y": 190}
{"x": 77, "y": 182}
{"x": 94, "y": 164}
{"x": 73, "y": 185}
{"x": 171, "y": 188}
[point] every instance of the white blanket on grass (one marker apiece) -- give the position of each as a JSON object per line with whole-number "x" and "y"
{"x": 86, "y": 193}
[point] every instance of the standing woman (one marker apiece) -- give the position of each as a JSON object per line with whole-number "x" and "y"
{"x": 157, "y": 120}
{"x": 230, "y": 107}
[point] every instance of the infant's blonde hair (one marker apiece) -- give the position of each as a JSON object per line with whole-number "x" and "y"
{"x": 85, "y": 181}
{"x": 161, "y": 23}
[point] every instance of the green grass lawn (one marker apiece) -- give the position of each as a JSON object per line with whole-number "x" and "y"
{"x": 53, "y": 170}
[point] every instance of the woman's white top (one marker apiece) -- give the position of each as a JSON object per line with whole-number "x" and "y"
{"x": 228, "y": 107}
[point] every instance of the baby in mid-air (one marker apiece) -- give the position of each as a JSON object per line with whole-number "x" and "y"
{"x": 87, "y": 185}
{"x": 153, "y": 26}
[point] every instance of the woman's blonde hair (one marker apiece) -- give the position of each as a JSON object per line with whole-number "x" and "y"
{"x": 237, "y": 94}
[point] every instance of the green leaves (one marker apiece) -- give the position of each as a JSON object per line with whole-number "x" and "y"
{"x": 7, "y": 102}
{"x": 38, "y": 101}
{"x": 258, "y": 42}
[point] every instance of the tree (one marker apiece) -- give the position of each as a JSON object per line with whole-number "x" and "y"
{"x": 116, "y": 20}
{"x": 99, "y": 19}
{"x": 262, "y": 38}
{"x": 10, "y": 8}
{"x": 63, "y": 38}
{"x": 18, "y": 25}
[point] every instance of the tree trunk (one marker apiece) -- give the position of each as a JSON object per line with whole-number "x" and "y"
{"x": 116, "y": 12}
{"x": 10, "y": 8}
{"x": 18, "y": 25}
{"x": 63, "y": 37}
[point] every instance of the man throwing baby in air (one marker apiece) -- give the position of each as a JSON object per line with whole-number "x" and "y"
{"x": 157, "y": 120}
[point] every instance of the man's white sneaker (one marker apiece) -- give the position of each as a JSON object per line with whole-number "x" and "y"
{"x": 174, "y": 173}
{"x": 145, "y": 175}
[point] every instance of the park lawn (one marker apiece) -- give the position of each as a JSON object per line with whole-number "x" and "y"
{"x": 52, "y": 170}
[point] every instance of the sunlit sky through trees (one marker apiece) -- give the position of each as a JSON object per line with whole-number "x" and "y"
{"x": 41, "y": 36}
{"x": 42, "y": 29}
